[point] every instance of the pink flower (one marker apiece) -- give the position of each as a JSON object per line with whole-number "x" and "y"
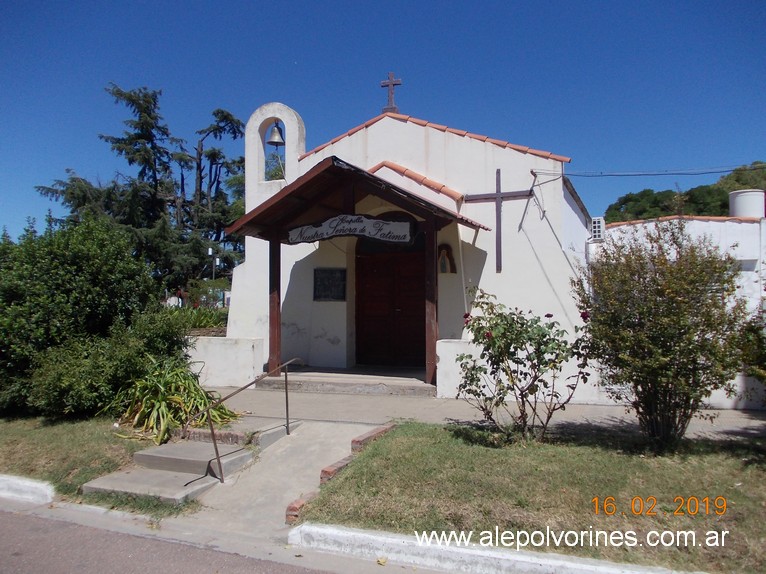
{"x": 488, "y": 334}
{"x": 585, "y": 316}
{"x": 548, "y": 315}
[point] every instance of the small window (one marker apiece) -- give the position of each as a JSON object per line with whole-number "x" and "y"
{"x": 329, "y": 284}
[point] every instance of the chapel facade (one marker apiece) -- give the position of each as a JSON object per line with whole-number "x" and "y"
{"x": 366, "y": 251}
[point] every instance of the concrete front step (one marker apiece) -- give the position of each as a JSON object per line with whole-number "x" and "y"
{"x": 180, "y": 471}
{"x": 172, "y": 487}
{"x": 361, "y": 386}
{"x": 194, "y": 458}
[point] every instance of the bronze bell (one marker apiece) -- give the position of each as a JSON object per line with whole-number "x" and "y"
{"x": 275, "y": 136}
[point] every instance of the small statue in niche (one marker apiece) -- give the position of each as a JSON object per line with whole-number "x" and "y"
{"x": 446, "y": 260}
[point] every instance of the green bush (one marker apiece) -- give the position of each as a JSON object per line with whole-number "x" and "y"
{"x": 201, "y": 317}
{"x": 161, "y": 331}
{"x": 78, "y": 378}
{"x": 754, "y": 348}
{"x": 665, "y": 324}
{"x": 70, "y": 283}
{"x": 82, "y": 376}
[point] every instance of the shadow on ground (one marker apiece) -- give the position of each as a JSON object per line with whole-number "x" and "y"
{"x": 747, "y": 444}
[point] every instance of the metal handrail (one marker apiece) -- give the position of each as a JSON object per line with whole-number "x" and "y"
{"x": 227, "y": 397}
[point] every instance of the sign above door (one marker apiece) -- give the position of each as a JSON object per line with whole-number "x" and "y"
{"x": 357, "y": 225}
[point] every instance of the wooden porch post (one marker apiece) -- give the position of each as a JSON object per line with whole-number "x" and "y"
{"x": 275, "y": 304}
{"x": 432, "y": 319}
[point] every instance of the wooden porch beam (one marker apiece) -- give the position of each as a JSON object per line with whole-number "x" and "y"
{"x": 431, "y": 288}
{"x": 275, "y": 304}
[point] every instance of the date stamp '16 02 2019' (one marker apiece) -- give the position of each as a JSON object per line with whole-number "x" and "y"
{"x": 647, "y": 506}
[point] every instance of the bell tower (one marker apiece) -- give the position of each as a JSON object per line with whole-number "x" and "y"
{"x": 266, "y": 126}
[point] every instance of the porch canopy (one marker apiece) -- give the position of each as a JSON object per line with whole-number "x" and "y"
{"x": 331, "y": 188}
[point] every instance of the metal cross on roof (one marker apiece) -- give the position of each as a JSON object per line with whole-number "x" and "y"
{"x": 390, "y": 83}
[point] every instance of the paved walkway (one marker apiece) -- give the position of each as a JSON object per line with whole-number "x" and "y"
{"x": 246, "y": 515}
{"x": 380, "y": 409}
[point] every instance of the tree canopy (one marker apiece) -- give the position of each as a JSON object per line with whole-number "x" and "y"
{"x": 181, "y": 197}
{"x": 701, "y": 200}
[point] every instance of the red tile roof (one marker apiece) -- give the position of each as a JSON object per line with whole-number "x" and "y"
{"x": 420, "y": 179}
{"x": 462, "y": 133}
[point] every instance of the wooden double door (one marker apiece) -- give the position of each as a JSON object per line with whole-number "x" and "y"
{"x": 390, "y": 309}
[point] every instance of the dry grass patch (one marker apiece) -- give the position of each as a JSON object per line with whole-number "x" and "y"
{"x": 425, "y": 477}
{"x": 67, "y": 454}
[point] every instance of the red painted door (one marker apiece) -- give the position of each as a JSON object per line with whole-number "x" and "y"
{"x": 390, "y": 309}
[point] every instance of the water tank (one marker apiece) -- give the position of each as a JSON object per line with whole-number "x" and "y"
{"x": 746, "y": 203}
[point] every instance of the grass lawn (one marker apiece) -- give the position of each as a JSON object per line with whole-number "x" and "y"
{"x": 429, "y": 477}
{"x": 69, "y": 454}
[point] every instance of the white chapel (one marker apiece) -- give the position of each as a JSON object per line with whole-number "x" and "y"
{"x": 365, "y": 252}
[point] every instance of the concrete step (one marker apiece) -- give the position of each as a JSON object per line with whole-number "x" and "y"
{"x": 240, "y": 432}
{"x": 192, "y": 457}
{"x": 368, "y": 385}
{"x": 179, "y": 471}
{"x": 173, "y": 487}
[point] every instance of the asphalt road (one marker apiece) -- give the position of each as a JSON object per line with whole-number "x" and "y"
{"x": 33, "y": 545}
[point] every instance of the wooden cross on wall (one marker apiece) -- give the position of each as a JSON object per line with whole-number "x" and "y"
{"x": 498, "y": 197}
{"x": 391, "y": 83}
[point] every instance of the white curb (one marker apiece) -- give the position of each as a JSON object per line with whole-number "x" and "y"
{"x": 25, "y": 489}
{"x": 402, "y": 549}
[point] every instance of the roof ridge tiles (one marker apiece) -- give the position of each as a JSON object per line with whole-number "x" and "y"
{"x": 442, "y": 128}
{"x": 420, "y": 179}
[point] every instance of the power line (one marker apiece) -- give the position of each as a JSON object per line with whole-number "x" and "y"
{"x": 656, "y": 173}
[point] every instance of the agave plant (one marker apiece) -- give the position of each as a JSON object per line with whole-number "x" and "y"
{"x": 167, "y": 398}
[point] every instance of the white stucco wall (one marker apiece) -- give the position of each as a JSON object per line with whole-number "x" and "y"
{"x": 226, "y": 361}
{"x": 542, "y": 236}
{"x": 744, "y": 239}
{"x": 539, "y": 236}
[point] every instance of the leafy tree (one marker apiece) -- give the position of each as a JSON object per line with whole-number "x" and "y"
{"x": 706, "y": 200}
{"x": 275, "y": 168}
{"x": 702, "y": 200}
{"x": 76, "y": 281}
{"x": 172, "y": 225}
{"x": 664, "y": 323}
{"x": 144, "y": 143}
{"x": 643, "y": 205}
{"x": 745, "y": 177}
{"x": 218, "y": 165}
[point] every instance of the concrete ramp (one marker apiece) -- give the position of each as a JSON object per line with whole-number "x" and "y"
{"x": 284, "y": 472}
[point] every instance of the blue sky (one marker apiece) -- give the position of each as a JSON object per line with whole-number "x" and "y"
{"x": 618, "y": 86}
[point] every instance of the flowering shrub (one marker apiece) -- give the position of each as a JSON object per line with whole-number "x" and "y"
{"x": 522, "y": 358}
